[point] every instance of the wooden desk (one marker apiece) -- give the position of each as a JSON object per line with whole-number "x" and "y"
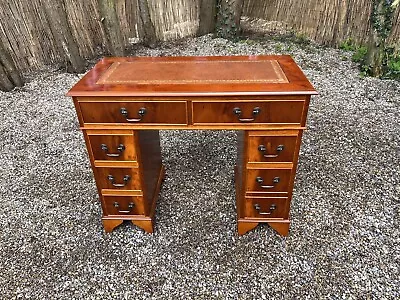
{"x": 122, "y": 103}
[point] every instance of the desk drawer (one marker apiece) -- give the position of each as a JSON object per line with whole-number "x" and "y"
{"x": 123, "y": 205}
{"x": 272, "y": 147}
{"x": 173, "y": 112}
{"x": 112, "y": 147}
{"x": 118, "y": 178}
{"x": 266, "y": 207}
{"x": 257, "y": 112}
{"x": 268, "y": 180}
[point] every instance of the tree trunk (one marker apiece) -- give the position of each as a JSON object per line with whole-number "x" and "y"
{"x": 5, "y": 83}
{"x": 58, "y": 22}
{"x": 207, "y": 16}
{"x": 111, "y": 26}
{"x": 150, "y": 38}
{"x": 228, "y": 18}
{"x": 9, "y": 75}
{"x": 378, "y": 46}
{"x": 375, "y": 54}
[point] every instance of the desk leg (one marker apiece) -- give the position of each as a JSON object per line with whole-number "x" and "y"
{"x": 244, "y": 227}
{"x": 145, "y": 225}
{"x": 282, "y": 227}
{"x": 109, "y": 225}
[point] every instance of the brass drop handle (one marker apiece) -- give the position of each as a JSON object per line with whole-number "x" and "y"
{"x": 271, "y": 209}
{"x": 260, "y": 180}
{"x": 141, "y": 112}
{"x": 120, "y": 148}
{"x": 237, "y": 111}
{"x": 130, "y": 206}
{"x": 112, "y": 180}
{"x": 263, "y": 149}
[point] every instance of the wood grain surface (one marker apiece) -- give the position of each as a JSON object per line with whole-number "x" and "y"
{"x": 250, "y": 83}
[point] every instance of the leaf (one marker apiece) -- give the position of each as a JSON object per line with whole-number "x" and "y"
{"x": 395, "y": 3}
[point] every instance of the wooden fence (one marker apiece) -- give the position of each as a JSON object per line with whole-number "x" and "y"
{"x": 28, "y": 27}
{"x": 327, "y": 22}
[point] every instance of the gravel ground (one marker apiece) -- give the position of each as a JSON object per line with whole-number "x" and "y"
{"x": 344, "y": 241}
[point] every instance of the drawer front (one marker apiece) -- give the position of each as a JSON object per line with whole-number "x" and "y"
{"x": 282, "y": 112}
{"x": 118, "y": 178}
{"x": 268, "y": 180}
{"x": 266, "y": 207}
{"x": 134, "y": 112}
{"x": 113, "y": 147}
{"x": 123, "y": 205}
{"x": 271, "y": 148}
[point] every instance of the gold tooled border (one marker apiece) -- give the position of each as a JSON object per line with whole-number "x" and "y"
{"x": 103, "y": 79}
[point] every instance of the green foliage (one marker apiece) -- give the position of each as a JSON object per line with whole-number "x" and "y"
{"x": 365, "y": 71}
{"x": 392, "y": 68}
{"x": 360, "y": 54}
{"x": 295, "y": 38}
{"x": 382, "y": 23}
{"x": 359, "y": 51}
{"x": 348, "y": 45}
{"x": 382, "y": 18}
{"x": 390, "y": 63}
{"x": 301, "y": 39}
{"x": 344, "y": 58}
{"x": 226, "y": 26}
{"x": 279, "y": 47}
{"x": 247, "y": 41}
{"x": 378, "y": 59}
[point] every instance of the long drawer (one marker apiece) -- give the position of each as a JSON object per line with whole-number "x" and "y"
{"x": 155, "y": 112}
{"x": 257, "y": 112}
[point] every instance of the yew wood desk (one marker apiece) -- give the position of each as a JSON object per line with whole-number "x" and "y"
{"x": 122, "y": 103}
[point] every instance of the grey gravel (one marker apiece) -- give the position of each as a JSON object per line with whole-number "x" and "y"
{"x": 344, "y": 240}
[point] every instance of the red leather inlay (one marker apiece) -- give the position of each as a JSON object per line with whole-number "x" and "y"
{"x": 181, "y": 72}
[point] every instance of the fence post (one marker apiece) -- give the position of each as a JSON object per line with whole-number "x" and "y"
{"x": 111, "y": 27}
{"x": 58, "y": 22}
{"x": 207, "y": 16}
{"x": 9, "y": 75}
{"x": 150, "y": 38}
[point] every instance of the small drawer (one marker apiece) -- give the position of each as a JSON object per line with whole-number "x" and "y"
{"x": 118, "y": 147}
{"x": 268, "y": 180}
{"x": 266, "y": 207}
{"x": 118, "y": 178}
{"x": 263, "y": 112}
{"x": 123, "y": 205}
{"x": 173, "y": 112}
{"x": 264, "y": 148}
